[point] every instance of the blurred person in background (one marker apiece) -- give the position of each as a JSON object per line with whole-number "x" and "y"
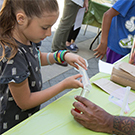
{"x": 118, "y": 30}
{"x": 70, "y": 11}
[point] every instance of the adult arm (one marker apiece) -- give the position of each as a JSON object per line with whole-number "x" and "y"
{"x": 100, "y": 51}
{"x": 95, "y": 118}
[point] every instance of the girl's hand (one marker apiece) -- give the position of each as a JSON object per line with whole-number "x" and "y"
{"x": 72, "y": 59}
{"x": 72, "y": 82}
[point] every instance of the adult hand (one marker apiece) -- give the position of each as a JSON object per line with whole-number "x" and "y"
{"x": 100, "y": 51}
{"x": 72, "y": 59}
{"x": 92, "y": 116}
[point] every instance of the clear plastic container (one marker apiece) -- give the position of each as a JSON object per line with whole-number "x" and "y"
{"x": 86, "y": 83}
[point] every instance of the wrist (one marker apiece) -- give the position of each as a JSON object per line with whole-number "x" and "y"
{"x": 63, "y": 84}
{"x": 48, "y": 59}
{"x": 104, "y": 42}
{"x": 65, "y": 54}
{"x": 109, "y": 124}
{"x": 59, "y": 56}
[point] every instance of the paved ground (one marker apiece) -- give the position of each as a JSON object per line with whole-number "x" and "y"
{"x": 53, "y": 74}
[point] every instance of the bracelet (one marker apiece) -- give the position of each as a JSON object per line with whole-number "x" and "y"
{"x": 48, "y": 54}
{"x": 59, "y": 55}
{"x": 39, "y": 57}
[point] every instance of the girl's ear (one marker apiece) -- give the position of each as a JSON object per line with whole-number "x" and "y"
{"x": 21, "y": 18}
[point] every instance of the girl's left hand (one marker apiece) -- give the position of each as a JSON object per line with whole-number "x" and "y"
{"x": 72, "y": 59}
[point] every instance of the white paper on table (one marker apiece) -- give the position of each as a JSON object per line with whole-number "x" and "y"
{"x": 79, "y": 2}
{"x": 79, "y": 18}
{"x": 113, "y": 89}
{"x": 105, "y": 67}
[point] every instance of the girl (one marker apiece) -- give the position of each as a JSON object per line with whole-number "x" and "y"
{"x": 22, "y": 24}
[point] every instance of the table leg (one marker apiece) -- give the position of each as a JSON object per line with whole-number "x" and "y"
{"x": 85, "y": 29}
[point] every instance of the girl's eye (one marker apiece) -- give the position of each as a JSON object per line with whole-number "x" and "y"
{"x": 44, "y": 28}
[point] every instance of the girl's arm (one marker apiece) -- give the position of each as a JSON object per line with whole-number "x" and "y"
{"x": 70, "y": 58}
{"x": 26, "y": 100}
{"x": 43, "y": 58}
{"x": 107, "y": 19}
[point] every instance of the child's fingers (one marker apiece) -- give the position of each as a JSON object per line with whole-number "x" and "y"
{"x": 78, "y": 76}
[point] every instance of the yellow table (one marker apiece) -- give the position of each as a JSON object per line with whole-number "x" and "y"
{"x": 56, "y": 119}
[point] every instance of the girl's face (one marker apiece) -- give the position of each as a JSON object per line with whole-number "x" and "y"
{"x": 38, "y": 28}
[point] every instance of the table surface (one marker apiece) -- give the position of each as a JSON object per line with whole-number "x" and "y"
{"x": 56, "y": 119}
{"x": 95, "y": 12}
{"x": 101, "y": 1}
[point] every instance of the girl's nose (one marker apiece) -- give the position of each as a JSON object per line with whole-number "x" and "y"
{"x": 48, "y": 32}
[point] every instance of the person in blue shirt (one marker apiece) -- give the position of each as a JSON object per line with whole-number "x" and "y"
{"x": 117, "y": 31}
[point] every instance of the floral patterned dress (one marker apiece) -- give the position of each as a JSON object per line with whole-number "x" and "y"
{"x": 25, "y": 64}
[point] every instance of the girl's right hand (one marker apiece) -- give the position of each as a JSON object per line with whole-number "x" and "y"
{"x": 72, "y": 82}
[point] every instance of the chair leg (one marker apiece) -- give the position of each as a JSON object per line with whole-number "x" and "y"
{"x": 85, "y": 29}
{"x": 95, "y": 39}
{"x": 98, "y": 36}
